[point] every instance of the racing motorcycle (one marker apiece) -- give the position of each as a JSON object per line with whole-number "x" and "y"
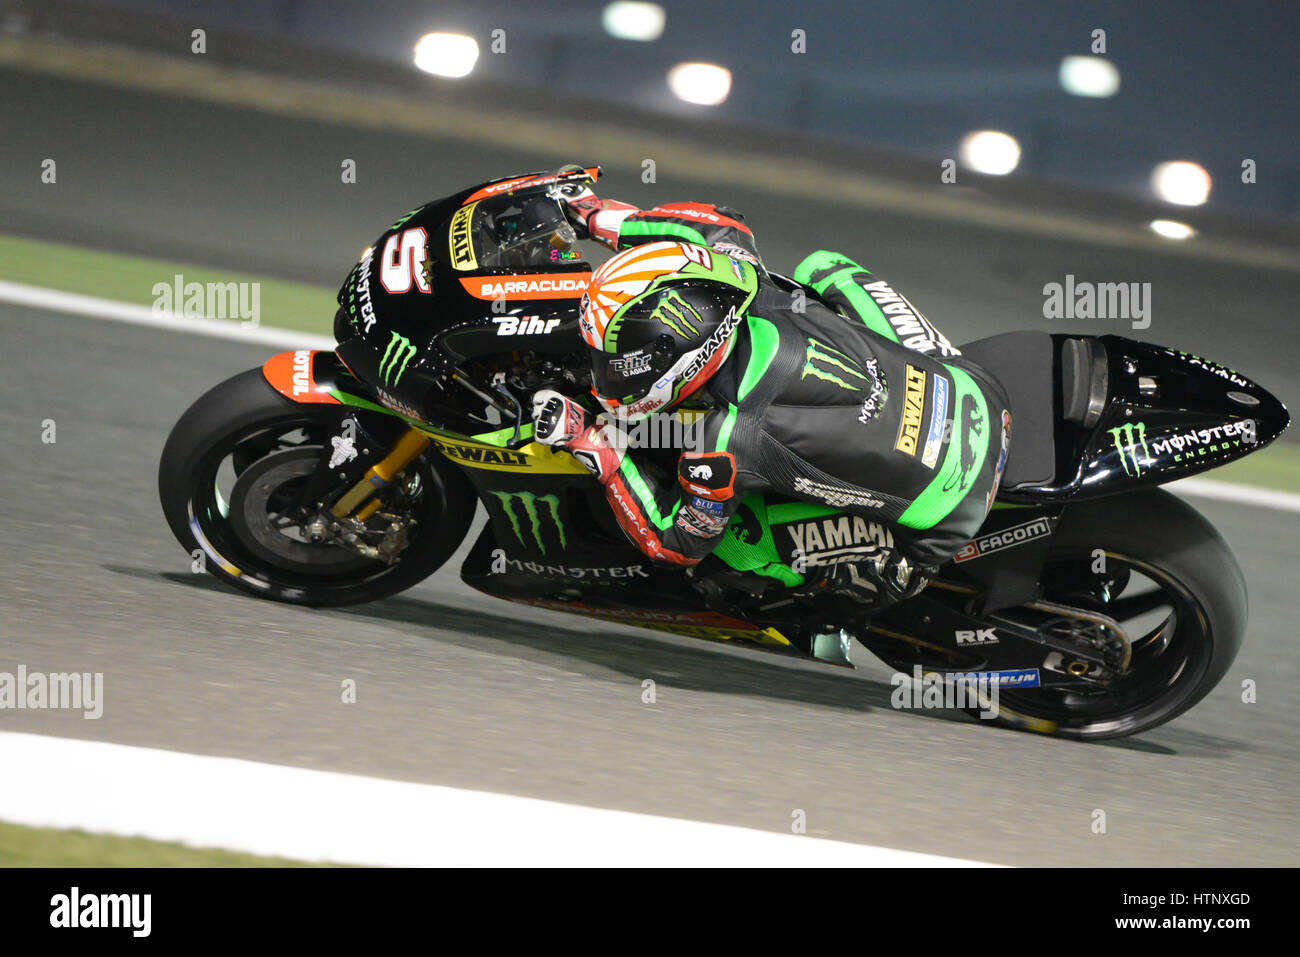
{"x": 1098, "y": 604}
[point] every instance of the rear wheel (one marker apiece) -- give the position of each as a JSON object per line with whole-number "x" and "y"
{"x": 229, "y": 478}
{"x": 1169, "y": 579}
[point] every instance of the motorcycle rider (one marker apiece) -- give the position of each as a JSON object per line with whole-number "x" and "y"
{"x": 851, "y": 400}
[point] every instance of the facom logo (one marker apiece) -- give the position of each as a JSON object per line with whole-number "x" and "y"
{"x": 1005, "y": 538}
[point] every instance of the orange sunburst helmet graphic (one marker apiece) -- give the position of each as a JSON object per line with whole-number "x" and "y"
{"x": 625, "y": 277}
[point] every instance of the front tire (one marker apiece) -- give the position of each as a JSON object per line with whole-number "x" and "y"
{"x": 235, "y": 456}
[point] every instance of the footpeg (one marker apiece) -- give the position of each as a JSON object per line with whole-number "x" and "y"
{"x": 834, "y": 648}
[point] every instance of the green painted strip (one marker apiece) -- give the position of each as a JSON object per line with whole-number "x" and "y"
{"x": 347, "y": 398}
{"x": 764, "y": 341}
{"x": 500, "y": 437}
{"x": 686, "y": 233}
{"x": 724, "y": 434}
{"x": 505, "y": 436}
{"x": 841, "y": 280}
{"x": 642, "y": 491}
{"x": 935, "y": 502}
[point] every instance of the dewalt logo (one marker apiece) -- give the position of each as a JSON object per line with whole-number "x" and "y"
{"x": 831, "y": 365}
{"x": 458, "y": 238}
{"x": 909, "y": 429}
{"x": 536, "y": 510}
{"x": 396, "y": 357}
{"x": 1127, "y": 438}
{"x": 484, "y": 456}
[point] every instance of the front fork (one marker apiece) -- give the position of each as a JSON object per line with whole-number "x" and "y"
{"x": 409, "y": 446}
{"x": 344, "y": 522}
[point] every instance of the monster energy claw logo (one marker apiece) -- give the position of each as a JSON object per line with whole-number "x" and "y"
{"x": 676, "y": 313}
{"x": 530, "y": 503}
{"x": 397, "y": 356}
{"x": 1127, "y": 438}
{"x": 833, "y": 364}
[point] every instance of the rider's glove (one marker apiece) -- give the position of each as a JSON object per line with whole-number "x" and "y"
{"x": 557, "y": 419}
{"x": 560, "y": 422}
{"x": 579, "y": 204}
{"x": 584, "y": 210}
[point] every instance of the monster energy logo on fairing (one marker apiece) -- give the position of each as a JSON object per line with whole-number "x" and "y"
{"x": 1127, "y": 447}
{"x": 396, "y": 357}
{"x": 835, "y": 363}
{"x": 676, "y": 313}
{"x": 529, "y": 501}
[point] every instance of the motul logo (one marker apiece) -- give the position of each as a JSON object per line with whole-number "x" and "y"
{"x": 301, "y": 371}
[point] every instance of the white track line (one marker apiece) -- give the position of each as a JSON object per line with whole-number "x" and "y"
{"x": 39, "y": 297}
{"x": 1231, "y": 492}
{"x": 324, "y": 816}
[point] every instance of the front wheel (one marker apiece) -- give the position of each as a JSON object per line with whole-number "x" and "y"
{"x": 236, "y": 461}
{"x": 1155, "y": 565}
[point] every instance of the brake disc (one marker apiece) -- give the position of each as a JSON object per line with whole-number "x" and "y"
{"x": 270, "y": 535}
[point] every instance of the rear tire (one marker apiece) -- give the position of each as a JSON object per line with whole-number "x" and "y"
{"x": 1161, "y": 537}
{"x": 241, "y": 423}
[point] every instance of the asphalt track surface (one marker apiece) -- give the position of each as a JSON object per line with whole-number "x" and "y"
{"x": 460, "y": 690}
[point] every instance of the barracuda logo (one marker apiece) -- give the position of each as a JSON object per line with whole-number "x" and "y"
{"x": 832, "y": 364}
{"x": 397, "y": 356}
{"x": 676, "y": 313}
{"x": 529, "y": 503}
{"x": 1127, "y": 438}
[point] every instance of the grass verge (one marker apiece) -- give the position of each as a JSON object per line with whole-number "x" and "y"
{"x": 48, "y": 847}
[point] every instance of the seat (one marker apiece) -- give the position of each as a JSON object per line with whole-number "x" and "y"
{"x": 1022, "y": 363}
